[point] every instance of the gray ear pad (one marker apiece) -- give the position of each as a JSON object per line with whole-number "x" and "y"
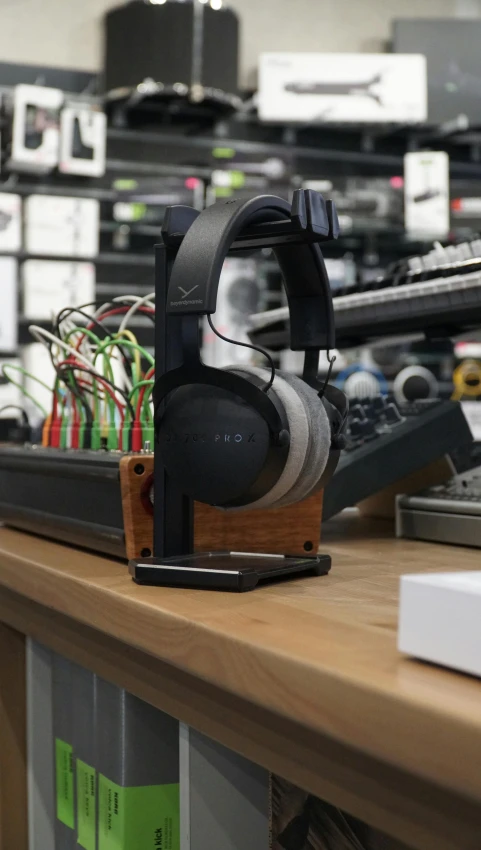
{"x": 299, "y": 430}
{"x": 319, "y": 442}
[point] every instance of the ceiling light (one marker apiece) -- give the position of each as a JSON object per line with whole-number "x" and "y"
{"x": 216, "y": 4}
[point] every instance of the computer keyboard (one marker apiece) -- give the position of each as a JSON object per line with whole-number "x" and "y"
{"x": 448, "y": 513}
{"x": 386, "y": 442}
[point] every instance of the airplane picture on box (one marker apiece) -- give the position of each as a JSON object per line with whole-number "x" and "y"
{"x": 340, "y": 89}
{"x": 428, "y": 195}
{"x": 5, "y": 219}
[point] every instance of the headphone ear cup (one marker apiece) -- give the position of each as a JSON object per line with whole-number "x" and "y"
{"x": 298, "y": 424}
{"x": 319, "y": 446}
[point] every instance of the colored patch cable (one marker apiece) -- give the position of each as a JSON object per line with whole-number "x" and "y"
{"x": 88, "y": 408}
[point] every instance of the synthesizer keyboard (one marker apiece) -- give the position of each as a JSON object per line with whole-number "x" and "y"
{"x": 386, "y": 442}
{"x": 439, "y": 292}
{"x": 449, "y": 513}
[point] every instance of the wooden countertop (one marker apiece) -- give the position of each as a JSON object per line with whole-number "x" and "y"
{"x": 318, "y": 654}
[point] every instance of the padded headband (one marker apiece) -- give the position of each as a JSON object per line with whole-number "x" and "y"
{"x": 197, "y": 268}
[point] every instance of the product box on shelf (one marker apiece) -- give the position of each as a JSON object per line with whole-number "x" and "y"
{"x": 10, "y": 222}
{"x": 8, "y": 304}
{"x": 61, "y": 226}
{"x": 32, "y": 128}
{"x": 342, "y": 88}
{"x": 426, "y": 193}
{"x": 83, "y": 133}
{"x": 137, "y": 758}
{"x": 50, "y": 285}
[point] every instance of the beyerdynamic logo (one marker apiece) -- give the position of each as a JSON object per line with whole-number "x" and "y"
{"x": 185, "y": 293}
{"x": 205, "y": 438}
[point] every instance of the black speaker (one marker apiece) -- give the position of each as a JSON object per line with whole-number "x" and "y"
{"x": 185, "y": 47}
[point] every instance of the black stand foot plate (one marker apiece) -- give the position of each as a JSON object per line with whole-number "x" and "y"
{"x": 234, "y": 571}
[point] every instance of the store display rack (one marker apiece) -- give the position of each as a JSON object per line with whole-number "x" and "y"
{"x": 152, "y": 141}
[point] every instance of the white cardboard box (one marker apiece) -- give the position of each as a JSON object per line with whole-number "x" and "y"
{"x": 342, "y": 87}
{"x": 36, "y": 128}
{"x": 51, "y": 285}
{"x": 85, "y": 127}
{"x": 426, "y": 194}
{"x": 10, "y": 222}
{"x": 440, "y": 618}
{"x": 61, "y": 226}
{"x": 8, "y": 304}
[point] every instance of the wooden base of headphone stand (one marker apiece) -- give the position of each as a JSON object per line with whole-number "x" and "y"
{"x": 294, "y": 530}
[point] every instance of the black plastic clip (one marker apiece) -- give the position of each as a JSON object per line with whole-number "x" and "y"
{"x": 310, "y": 212}
{"x": 177, "y": 221}
{"x": 312, "y": 220}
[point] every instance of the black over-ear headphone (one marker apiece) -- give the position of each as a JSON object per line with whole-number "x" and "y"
{"x": 242, "y": 437}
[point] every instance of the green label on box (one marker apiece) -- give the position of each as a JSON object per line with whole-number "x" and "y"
{"x": 223, "y": 153}
{"x": 223, "y": 192}
{"x": 64, "y": 783}
{"x": 237, "y": 179}
{"x": 138, "y": 818}
{"x": 86, "y": 797}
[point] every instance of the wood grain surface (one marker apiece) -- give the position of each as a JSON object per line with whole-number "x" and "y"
{"x": 136, "y": 478}
{"x": 421, "y": 814}
{"x": 293, "y": 530}
{"x": 311, "y": 663}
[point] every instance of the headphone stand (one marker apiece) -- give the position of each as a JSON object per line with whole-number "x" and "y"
{"x": 174, "y": 561}
{"x": 173, "y": 511}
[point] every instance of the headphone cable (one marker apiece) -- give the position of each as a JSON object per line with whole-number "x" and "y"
{"x": 247, "y": 345}
{"x": 331, "y": 361}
